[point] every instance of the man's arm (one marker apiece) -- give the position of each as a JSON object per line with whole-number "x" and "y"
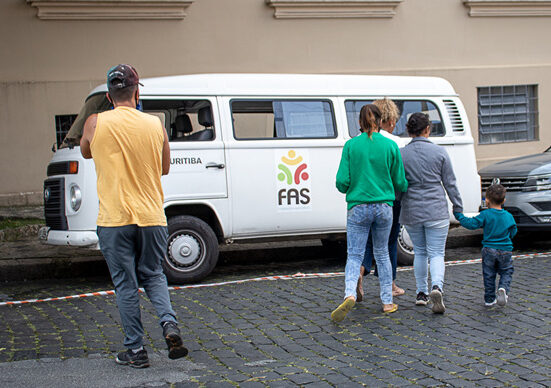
{"x": 88, "y": 135}
{"x": 166, "y": 153}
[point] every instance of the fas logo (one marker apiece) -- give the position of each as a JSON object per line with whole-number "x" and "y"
{"x": 293, "y": 180}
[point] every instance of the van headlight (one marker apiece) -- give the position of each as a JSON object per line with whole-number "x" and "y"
{"x": 76, "y": 197}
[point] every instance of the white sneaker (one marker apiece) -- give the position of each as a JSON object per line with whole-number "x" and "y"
{"x": 502, "y": 297}
{"x": 437, "y": 300}
{"x": 490, "y": 304}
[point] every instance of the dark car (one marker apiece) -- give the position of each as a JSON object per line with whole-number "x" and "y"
{"x": 528, "y": 183}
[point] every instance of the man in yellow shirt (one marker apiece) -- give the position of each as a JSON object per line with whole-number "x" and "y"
{"x": 130, "y": 150}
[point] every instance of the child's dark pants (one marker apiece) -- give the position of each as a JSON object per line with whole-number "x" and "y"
{"x": 496, "y": 261}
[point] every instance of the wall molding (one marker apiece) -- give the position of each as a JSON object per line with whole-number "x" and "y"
{"x": 31, "y": 198}
{"x": 506, "y": 8}
{"x": 111, "y": 9}
{"x": 325, "y": 9}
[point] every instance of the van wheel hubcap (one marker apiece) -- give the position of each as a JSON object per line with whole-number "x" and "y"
{"x": 184, "y": 250}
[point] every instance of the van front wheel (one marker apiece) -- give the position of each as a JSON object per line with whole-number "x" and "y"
{"x": 405, "y": 248}
{"x": 192, "y": 250}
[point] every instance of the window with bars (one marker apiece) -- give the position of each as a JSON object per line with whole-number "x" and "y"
{"x": 62, "y": 125}
{"x": 507, "y": 113}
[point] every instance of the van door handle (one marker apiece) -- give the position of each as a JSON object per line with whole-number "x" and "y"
{"x": 215, "y": 165}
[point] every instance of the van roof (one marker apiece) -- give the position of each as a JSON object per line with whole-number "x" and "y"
{"x": 292, "y": 85}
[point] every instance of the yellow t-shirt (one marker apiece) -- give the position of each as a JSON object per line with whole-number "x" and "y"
{"x": 127, "y": 149}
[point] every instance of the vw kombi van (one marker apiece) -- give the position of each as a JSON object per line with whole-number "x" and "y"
{"x": 253, "y": 156}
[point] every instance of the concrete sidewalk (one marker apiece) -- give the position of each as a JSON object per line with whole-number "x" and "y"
{"x": 27, "y": 258}
{"x": 279, "y": 334}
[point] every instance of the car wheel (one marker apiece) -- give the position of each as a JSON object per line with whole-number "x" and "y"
{"x": 192, "y": 250}
{"x": 405, "y": 248}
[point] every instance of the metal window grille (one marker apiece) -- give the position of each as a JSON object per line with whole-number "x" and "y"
{"x": 507, "y": 113}
{"x": 62, "y": 125}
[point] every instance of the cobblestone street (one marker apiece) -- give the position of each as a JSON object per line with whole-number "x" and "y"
{"x": 278, "y": 333}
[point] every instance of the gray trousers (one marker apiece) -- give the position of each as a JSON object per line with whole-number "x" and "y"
{"x": 134, "y": 255}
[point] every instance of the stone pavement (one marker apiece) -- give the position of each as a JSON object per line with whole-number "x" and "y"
{"x": 278, "y": 334}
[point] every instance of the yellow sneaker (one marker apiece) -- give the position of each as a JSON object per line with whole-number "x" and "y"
{"x": 340, "y": 312}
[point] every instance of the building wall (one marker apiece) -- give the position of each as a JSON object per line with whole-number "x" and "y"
{"x": 48, "y": 66}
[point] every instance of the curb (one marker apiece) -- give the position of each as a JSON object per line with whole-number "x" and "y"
{"x": 52, "y": 268}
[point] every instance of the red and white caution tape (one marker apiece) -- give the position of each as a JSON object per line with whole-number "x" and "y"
{"x": 259, "y": 279}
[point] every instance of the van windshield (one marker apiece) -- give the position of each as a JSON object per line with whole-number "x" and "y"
{"x": 94, "y": 104}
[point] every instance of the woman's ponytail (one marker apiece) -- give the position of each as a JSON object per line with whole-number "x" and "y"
{"x": 370, "y": 119}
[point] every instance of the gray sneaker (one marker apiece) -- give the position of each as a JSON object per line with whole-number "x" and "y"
{"x": 502, "y": 297}
{"x": 437, "y": 300}
{"x": 173, "y": 340}
{"x": 135, "y": 360}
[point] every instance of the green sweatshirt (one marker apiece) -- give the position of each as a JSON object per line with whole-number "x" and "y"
{"x": 371, "y": 170}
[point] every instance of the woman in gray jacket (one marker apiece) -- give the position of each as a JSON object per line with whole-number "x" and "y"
{"x": 425, "y": 209}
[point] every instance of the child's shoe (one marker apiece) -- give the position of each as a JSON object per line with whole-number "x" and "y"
{"x": 502, "y": 297}
{"x": 490, "y": 304}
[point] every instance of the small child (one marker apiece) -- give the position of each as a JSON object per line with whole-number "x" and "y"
{"x": 499, "y": 229}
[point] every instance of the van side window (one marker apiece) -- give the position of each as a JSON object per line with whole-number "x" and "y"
{"x": 184, "y": 120}
{"x": 406, "y": 107}
{"x": 283, "y": 119}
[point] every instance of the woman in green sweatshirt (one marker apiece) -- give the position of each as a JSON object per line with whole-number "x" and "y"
{"x": 370, "y": 172}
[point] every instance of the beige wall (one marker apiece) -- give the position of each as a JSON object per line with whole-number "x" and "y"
{"x": 48, "y": 66}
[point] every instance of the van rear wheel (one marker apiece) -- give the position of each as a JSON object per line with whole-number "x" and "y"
{"x": 335, "y": 247}
{"x": 192, "y": 250}
{"x": 405, "y": 248}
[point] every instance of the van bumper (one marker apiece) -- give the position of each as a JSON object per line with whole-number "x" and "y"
{"x": 84, "y": 238}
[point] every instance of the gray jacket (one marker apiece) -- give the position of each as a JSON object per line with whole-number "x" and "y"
{"x": 428, "y": 172}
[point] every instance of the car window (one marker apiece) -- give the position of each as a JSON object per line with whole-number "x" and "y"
{"x": 282, "y": 119}
{"x": 406, "y": 108}
{"x": 184, "y": 120}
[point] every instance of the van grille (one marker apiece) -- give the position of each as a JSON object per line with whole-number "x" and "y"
{"x": 455, "y": 117}
{"x": 510, "y": 183}
{"x": 542, "y": 206}
{"x": 54, "y": 204}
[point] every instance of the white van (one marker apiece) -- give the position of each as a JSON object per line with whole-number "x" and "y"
{"x": 254, "y": 156}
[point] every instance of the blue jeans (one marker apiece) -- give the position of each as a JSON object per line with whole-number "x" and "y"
{"x": 360, "y": 220}
{"x": 429, "y": 245}
{"x": 134, "y": 255}
{"x": 392, "y": 244}
{"x": 496, "y": 261}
